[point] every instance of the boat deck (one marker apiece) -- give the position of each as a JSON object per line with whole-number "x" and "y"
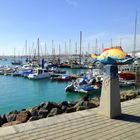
{"x": 81, "y": 125}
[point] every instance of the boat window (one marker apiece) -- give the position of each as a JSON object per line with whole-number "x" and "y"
{"x": 39, "y": 71}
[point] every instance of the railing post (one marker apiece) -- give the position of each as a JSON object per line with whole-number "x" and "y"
{"x": 110, "y": 104}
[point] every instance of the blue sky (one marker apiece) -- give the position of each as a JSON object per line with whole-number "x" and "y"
{"x": 61, "y": 21}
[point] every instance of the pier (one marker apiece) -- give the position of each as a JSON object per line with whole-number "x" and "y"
{"x": 81, "y": 125}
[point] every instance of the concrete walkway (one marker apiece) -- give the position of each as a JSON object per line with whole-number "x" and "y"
{"x": 81, "y": 125}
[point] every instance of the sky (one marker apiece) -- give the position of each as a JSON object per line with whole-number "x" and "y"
{"x": 62, "y": 20}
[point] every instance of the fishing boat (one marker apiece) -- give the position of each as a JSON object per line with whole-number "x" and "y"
{"x": 39, "y": 73}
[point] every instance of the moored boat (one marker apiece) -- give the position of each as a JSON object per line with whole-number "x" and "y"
{"x": 39, "y": 73}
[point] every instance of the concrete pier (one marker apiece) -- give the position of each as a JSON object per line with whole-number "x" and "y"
{"x": 110, "y": 105}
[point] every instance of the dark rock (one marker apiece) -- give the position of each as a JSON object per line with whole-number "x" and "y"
{"x": 65, "y": 103}
{"x": 23, "y": 116}
{"x": 79, "y": 108}
{"x": 33, "y": 118}
{"x": 55, "y": 111}
{"x": 34, "y": 112}
{"x": 36, "y": 107}
{"x": 49, "y": 105}
{"x": 42, "y": 112}
{"x": 63, "y": 108}
{"x": 42, "y": 104}
{"x": 80, "y": 103}
{"x": 10, "y": 117}
{"x": 3, "y": 117}
{"x": 23, "y": 109}
{"x": 13, "y": 112}
{"x": 72, "y": 104}
{"x": 70, "y": 109}
{"x": 89, "y": 105}
{"x": 1, "y": 121}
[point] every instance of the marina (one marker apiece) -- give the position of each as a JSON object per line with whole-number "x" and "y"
{"x": 22, "y": 87}
{"x": 69, "y": 70}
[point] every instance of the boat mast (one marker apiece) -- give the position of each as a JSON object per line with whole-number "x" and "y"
{"x": 69, "y": 47}
{"x": 38, "y": 49}
{"x": 96, "y": 45}
{"x": 59, "y": 50}
{"x": 80, "y": 45}
{"x": 88, "y": 51}
{"x": 14, "y": 54}
{"x": 65, "y": 48}
{"x": 76, "y": 48}
{"x": 111, "y": 42}
{"x": 134, "y": 51}
{"x": 45, "y": 50}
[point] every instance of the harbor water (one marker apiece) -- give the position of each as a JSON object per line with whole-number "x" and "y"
{"x": 18, "y": 92}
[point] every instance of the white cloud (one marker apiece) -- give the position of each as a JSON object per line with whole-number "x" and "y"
{"x": 73, "y": 3}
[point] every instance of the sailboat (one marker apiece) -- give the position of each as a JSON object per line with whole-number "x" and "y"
{"x": 15, "y": 61}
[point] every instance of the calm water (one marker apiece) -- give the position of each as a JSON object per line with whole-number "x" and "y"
{"x": 18, "y": 92}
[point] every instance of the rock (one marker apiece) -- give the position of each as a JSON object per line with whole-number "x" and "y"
{"x": 1, "y": 121}
{"x": 3, "y": 117}
{"x": 10, "y": 117}
{"x": 34, "y": 112}
{"x": 90, "y": 105}
{"x": 43, "y": 113}
{"x": 11, "y": 123}
{"x": 42, "y": 104}
{"x": 64, "y": 103}
{"x": 49, "y": 105}
{"x": 33, "y": 118}
{"x": 79, "y": 108}
{"x": 13, "y": 112}
{"x": 23, "y": 116}
{"x": 80, "y": 103}
{"x": 72, "y": 104}
{"x": 123, "y": 99}
{"x": 70, "y": 109}
{"x": 55, "y": 111}
{"x": 23, "y": 109}
{"x": 128, "y": 95}
{"x": 36, "y": 108}
{"x": 29, "y": 110}
{"x": 63, "y": 108}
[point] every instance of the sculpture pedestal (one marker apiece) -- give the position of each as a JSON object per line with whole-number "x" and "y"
{"x": 110, "y": 104}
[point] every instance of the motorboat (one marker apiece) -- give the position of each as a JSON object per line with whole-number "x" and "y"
{"x": 39, "y": 73}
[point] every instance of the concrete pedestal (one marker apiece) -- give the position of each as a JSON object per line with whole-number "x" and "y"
{"x": 110, "y": 104}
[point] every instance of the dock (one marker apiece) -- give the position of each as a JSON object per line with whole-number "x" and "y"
{"x": 81, "y": 125}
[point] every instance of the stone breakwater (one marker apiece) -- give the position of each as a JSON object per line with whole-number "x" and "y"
{"x": 49, "y": 109}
